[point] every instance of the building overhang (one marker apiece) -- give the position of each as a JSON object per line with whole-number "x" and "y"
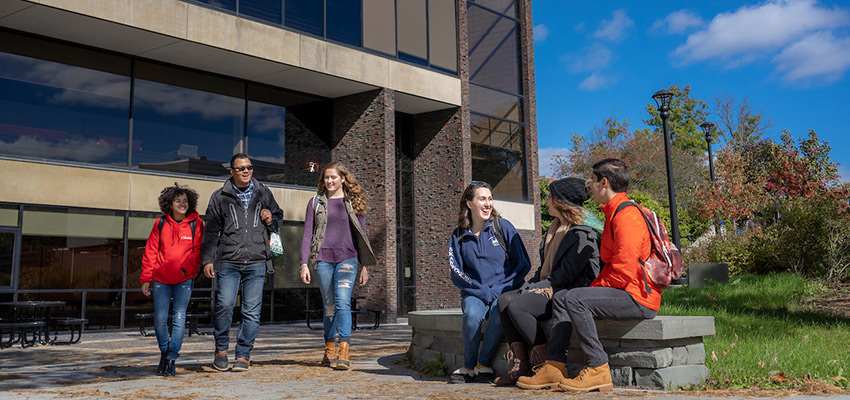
{"x": 194, "y": 36}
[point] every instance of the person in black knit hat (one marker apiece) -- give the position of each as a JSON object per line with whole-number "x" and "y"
{"x": 569, "y": 256}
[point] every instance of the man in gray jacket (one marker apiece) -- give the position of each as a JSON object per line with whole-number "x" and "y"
{"x": 239, "y": 218}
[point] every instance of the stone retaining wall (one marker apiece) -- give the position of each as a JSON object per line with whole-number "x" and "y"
{"x": 662, "y": 353}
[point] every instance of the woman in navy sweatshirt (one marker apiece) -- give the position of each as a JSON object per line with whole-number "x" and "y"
{"x": 487, "y": 258}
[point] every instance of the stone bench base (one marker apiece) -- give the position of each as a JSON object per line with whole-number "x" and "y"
{"x": 662, "y": 353}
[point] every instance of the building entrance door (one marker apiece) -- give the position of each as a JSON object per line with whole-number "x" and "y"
{"x": 10, "y": 250}
{"x": 406, "y": 268}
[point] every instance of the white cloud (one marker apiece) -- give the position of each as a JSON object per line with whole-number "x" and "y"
{"x": 592, "y": 58}
{"x": 820, "y": 56}
{"x": 754, "y": 32}
{"x": 615, "y": 28}
{"x": 678, "y": 22}
{"x": 596, "y": 81}
{"x": 540, "y": 32}
{"x": 545, "y": 157}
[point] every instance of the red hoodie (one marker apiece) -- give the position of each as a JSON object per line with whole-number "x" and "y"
{"x": 175, "y": 256}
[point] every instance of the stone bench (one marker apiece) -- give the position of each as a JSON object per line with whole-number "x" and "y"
{"x": 662, "y": 353}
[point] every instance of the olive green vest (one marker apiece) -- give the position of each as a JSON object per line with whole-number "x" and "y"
{"x": 320, "y": 221}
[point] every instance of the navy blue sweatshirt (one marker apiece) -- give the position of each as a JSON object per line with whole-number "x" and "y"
{"x": 478, "y": 265}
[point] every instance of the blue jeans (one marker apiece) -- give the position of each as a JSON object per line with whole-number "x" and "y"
{"x": 336, "y": 281}
{"x": 474, "y": 313}
{"x": 230, "y": 277}
{"x": 162, "y": 294}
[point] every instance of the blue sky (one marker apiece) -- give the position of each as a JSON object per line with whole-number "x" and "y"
{"x": 788, "y": 59}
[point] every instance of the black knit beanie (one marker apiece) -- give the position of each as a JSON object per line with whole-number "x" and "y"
{"x": 570, "y": 190}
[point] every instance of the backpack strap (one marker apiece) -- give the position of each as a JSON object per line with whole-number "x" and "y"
{"x": 648, "y": 229}
{"x": 500, "y": 237}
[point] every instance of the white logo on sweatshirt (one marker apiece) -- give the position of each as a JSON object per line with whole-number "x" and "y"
{"x": 494, "y": 241}
{"x": 185, "y": 238}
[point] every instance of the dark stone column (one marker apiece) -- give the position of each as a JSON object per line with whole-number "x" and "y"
{"x": 364, "y": 141}
{"x": 532, "y": 241}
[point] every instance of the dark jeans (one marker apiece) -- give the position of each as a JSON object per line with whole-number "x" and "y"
{"x": 521, "y": 312}
{"x": 232, "y": 278}
{"x": 577, "y": 307}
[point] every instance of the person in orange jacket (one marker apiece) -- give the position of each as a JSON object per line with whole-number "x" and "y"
{"x": 620, "y": 292}
{"x": 170, "y": 264}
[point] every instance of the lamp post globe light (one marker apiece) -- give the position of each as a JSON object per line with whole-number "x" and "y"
{"x": 662, "y": 99}
{"x": 706, "y": 127}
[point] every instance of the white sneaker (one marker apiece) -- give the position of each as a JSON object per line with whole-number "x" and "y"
{"x": 484, "y": 374}
{"x": 462, "y": 375}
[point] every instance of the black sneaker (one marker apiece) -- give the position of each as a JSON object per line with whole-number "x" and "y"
{"x": 220, "y": 362}
{"x": 462, "y": 375}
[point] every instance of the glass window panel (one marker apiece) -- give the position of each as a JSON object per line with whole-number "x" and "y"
{"x": 285, "y": 276}
{"x": 412, "y": 30}
{"x": 286, "y": 132}
{"x": 225, "y": 4}
{"x": 8, "y": 215}
{"x": 140, "y": 224}
{"x": 497, "y": 104}
{"x": 7, "y": 253}
{"x": 343, "y": 21}
{"x": 379, "y": 25}
{"x": 443, "y": 37}
{"x": 184, "y": 121}
{"x": 493, "y": 50}
{"x": 266, "y": 10}
{"x": 305, "y": 15}
{"x": 507, "y": 7}
{"x": 63, "y": 103}
{"x": 498, "y": 157}
{"x": 71, "y": 249}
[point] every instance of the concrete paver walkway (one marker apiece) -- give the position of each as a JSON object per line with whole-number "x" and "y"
{"x": 110, "y": 365}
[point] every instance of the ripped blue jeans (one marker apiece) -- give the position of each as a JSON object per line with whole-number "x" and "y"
{"x": 336, "y": 281}
{"x": 162, "y": 295}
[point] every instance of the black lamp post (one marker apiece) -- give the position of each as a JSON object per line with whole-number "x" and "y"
{"x": 662, "y": 99}
{"x": 706, "y": 127}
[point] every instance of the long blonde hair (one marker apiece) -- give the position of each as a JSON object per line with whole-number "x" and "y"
{"x": 351, "y": 186}
{"x": 572, "y": 213}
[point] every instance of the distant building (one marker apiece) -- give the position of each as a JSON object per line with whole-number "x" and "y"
{"x": 103, "y": 103}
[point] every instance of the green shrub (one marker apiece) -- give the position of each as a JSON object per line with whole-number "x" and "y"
{"x": 436, "y": 366}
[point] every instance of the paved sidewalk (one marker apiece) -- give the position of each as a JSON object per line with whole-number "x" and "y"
{"x": 111, "y": 365}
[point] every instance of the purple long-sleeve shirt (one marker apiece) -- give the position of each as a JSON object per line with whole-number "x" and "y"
{"x": 338, "y": 243}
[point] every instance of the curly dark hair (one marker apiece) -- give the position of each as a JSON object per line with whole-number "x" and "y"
{"x": 167, "y": 196}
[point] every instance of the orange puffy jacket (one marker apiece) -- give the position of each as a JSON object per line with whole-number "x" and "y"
{"x": 620, "y": 253}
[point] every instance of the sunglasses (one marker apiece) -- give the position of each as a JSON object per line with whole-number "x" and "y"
{"x": 240, "y": 169}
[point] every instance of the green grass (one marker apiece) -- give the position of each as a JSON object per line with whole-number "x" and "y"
{"x": 765, "y": 333}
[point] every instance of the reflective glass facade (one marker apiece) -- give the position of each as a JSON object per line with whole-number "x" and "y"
{"x": 496, "y": 98}
{"x": 70, "y": 104}
{"x": 422, "y": 32}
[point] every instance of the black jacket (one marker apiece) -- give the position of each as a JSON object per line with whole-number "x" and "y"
{"x": 576, "y": 262}
{"x": 233, "y": 235}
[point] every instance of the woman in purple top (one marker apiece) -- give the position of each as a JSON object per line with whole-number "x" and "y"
{"x": 334, "y": 241}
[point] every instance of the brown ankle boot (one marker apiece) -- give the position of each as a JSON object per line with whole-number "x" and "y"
{"x": 342, "y": 361}
{"x": 546, "y": 375}
{"x": 330, "y": 354}
{"x": 589, "y": 379}
{"x": 537, "y": 355}
{"x": 518, "y": 354}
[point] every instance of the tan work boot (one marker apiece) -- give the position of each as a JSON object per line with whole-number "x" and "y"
{"x": 518, "y": 354}
{"x": 342, "y": 361}
{"x": 546, "y": 375}
{"x": 537, "y": 355}
{"x": 589, "y": 379}
{"x": 330, "y": 354}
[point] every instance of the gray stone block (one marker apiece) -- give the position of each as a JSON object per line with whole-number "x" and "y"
{"x": 641, "y": 358}
{"x": 417, "y": 355}
{"x": 644, "y": 344}
{"x": 447, "y": 345}
{"x": 689, "y": 355}
{"x": 671, "y": 378}
{"x": 422, "y": 340}
{"x": 622, "y": 376}
{"x": 662, "y": 327}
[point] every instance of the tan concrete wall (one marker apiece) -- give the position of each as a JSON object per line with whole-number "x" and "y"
{"x": 33, "y": 183}
{"x": 203, "y": 25}
{"x": 520, "y": 214}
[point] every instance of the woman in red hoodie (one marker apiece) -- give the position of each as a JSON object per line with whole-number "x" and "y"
{"x": 170, "y": 264}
